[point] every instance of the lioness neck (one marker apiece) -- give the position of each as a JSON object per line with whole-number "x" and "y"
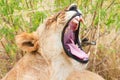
{"x": 62, "y": 66}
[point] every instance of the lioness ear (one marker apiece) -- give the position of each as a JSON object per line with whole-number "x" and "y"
{"x": 27, "y": 42}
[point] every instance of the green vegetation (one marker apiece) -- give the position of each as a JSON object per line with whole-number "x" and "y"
{"x": 102, "y": 25}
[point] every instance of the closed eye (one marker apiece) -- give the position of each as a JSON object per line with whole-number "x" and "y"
{"x": 73, "y": 8}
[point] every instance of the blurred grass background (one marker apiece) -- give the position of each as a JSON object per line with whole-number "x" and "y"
{"x": 102, "y": 25}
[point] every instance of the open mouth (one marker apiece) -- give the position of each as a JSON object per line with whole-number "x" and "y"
{"x": 70, "y": 40}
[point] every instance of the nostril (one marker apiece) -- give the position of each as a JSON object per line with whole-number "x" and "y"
{"x": 73, "y": 7}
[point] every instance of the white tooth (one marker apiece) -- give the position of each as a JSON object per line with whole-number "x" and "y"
{"x": 77, "y": 17}
{"x": 75, "y": 21}
{"x": 88, "y": 53}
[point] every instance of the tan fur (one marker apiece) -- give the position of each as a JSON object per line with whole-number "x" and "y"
{"x": 26, "y": 38}
{"x": 84, "y": 75}
{"x": 48, "y": 61}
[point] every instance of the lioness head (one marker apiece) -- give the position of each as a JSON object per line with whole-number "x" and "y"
{"x": 57, "y": 36}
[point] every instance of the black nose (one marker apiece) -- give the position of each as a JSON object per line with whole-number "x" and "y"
{"x": 73, "y": 7}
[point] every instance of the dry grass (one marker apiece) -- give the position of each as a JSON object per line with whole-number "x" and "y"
{"x": 105, "y": 58}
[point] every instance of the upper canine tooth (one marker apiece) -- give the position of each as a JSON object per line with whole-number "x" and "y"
{"x": 77, "y": 17}
{"x": 75, "y": 21}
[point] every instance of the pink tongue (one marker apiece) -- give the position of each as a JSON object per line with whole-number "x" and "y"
{"x": 77, "y": 51}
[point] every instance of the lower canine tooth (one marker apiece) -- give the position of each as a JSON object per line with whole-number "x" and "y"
{"x": 88, "y": 53}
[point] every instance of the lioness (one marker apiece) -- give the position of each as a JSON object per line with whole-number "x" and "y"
{"x": 54, "y": 50}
